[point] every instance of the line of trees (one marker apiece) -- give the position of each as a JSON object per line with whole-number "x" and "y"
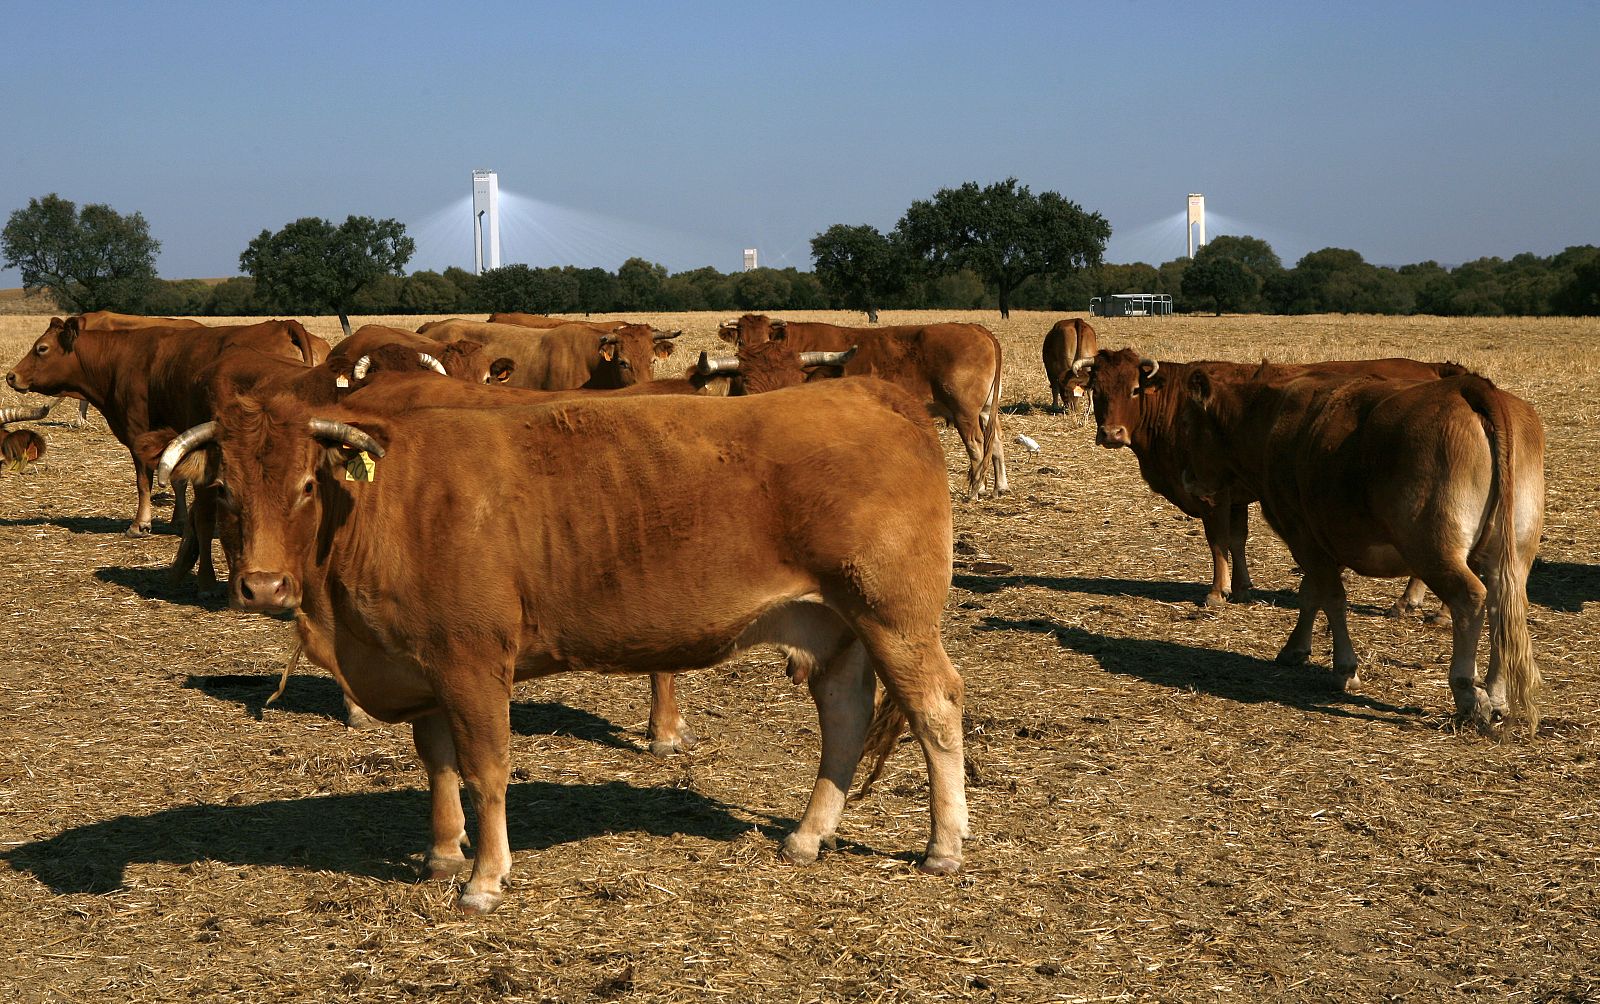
{"x": 969, "y": 247}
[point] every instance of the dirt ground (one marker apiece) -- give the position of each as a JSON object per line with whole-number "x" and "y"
{"x": 1160, "y": 812}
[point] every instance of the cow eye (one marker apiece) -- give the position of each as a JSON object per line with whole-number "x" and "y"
{"x": 625, "y": 364}
{"x": 42, "y": 349}
{"x": 308, "y": 488}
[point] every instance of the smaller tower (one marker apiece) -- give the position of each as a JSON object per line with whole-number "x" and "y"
{"x": 485, "y": 219}
{"x": 1197, "y": 220}
{"x": 750, "y": 259}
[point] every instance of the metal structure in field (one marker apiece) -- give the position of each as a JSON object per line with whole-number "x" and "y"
{"x": 485, "y": 219}
{"x": 1197, "y": 222}
{"x": 1131, "y": 305}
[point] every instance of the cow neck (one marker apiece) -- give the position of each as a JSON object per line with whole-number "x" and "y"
{"x": 1158, "y": 412}
{"x": 99, "y": 381}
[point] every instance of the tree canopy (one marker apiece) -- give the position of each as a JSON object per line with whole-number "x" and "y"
{"x": 312, "y": 265}
{"x": 859, "y": 267}
{"x": 93, "y": 259}
{"x": 1004, "y": 233}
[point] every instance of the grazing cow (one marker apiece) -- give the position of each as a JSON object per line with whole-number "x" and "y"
{"x": 1068, "y": 340}
{"x": 20, "y": 447}
{"x": 1442, "y": 479}
{"x": 838, "y": 555}
{"x": 953, "y": 368}
{"x": 144, "y": 378}
{"x": 109, "y": 320}
{"x": 1136, "y": 404}
{"x": 567, "y": 357}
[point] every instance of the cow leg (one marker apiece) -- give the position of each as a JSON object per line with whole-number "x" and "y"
{"x": 1238, "y": 568}
{"x": 1002, "y": 482}
{"x": 180, "y": 504}
{"x": 668, "y": 732}
{"x": 1219, "y": 533}
{"x": 1336, "y": 606}
{"x": 199, "y": 528}
{"x": 1411, "y": 599}
{"x": 843, "y": 694}
{"x": 480, "y": 724}
{"x": 920, "y": 677}
{"x": 1467, "y": 599}
{"x": 971, "y": 433}
{"x": 1297, "y": 649}
{"x": 437, "y": 750}
{"x": 141, "y": 515}
{"x": 83, "y": 413}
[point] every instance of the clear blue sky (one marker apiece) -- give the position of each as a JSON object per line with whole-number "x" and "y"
{"x": 685, "y": 132}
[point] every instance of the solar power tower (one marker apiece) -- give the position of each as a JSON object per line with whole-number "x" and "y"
{"x": 1197, "y": 221}
{"x": 485, "y": 219}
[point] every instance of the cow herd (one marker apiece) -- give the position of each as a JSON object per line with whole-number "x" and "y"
{"x": 448, "y": 511}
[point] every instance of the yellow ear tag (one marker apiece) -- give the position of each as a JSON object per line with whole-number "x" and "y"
{"x": 341, "y": 382}
{"x": 360, "y": 467}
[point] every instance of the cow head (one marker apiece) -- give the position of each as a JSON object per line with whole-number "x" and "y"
{"x": 1119, "y": 382}
{"x": 280, "y": 490}
{"x": 769, "y": 366}
{"x": 52, "y": 364}
{"x": 20, "y": 447}
{"x": 627, "y": 353}
{"x": 1200, "y": 431}
{"x": 751, "y": 329}
{"x": 470, "y": 361}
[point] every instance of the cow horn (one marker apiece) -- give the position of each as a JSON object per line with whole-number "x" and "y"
{"x": 722, "y": 364}
{"x": 432, "y": 363}
{"x": 180, "y": 446}
{"x": 1153, "y": 367}
{"x": 359, "y": 370}
{"x": 9, "y": 415}
{"x": 1079, "y": 365}
{"x": 662, "y": 336}
{"x": 827, "y": 358}
{"x": 610, "y": 339}
{"x": 327, "y": 428}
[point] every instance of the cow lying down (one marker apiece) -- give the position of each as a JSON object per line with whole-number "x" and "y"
{"x": 622, "y": 534}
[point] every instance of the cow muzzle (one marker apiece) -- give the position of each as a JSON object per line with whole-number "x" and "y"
{"x": 1112, "y": 437}
{"x": 11, "y": 381}
{"x": 265, "y": 593}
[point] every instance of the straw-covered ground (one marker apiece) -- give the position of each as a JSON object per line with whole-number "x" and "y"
{"x": 1160, "y": 812}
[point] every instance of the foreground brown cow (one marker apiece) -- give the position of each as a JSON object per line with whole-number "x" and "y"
{"x": 1069, "y": 340}
{"x": 1442, "y": 479}
{"x": 953, "y": 368}
{"x": 144, "y": 378}
{"x": 1136, "y": 404}
{"x": 838, "y": 556}
{"x": 110, "y": 320}
{"x": 567, "y": 357}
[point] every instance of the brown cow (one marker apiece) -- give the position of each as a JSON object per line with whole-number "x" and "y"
{"x": 1136, "y": 403}
{"x": 20, "y": 447}
{"x": 1442, "y": 479}
{"x": 1068, "y": 340}
{"x": 567, "y": 357}
{"x": 109, "y": 320}
{"x": 838, "y": 556}
{"x": 144, "y": 378}
{"x": 953, "y": 368}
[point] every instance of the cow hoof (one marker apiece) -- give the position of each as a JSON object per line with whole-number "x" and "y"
{"x": 138, "y": 530}
{"x": 358, "y": 720}
{"x": 1293, "y": 657}
{"x": 472, "y": 903}
{"x": 440, "y": 868}
{"x": 1240, "y": 594}
{"x": 1346, "y": 680}
{"x": 684, "y": 742}
{"x": 798, "y": 850}
{"x": 944, "y": 864}
{"x": 1214, "y": 600}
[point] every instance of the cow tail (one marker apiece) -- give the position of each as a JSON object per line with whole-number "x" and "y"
{"x": 888, "y": 722}
{"x": 1509, "y": 641}
{"x": 288, "y": 667}
{"x": 991, "y": 432}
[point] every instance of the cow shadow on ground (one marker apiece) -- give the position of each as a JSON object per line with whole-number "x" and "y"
{"x": 156, "y": 584}
{"x": 1563, "y": 585}
{"x": 376, "y": 834}
{"x": 1160, "y": 590}
{"x": 320, "y": 696}
{"x": 1228, "y": 675}
{"x": 72, "y": 524}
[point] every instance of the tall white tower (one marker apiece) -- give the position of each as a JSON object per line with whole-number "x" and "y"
{"x": 485, "y": 219}
{"x": 1197, "y": 220}
{"x": 750, "y": 259}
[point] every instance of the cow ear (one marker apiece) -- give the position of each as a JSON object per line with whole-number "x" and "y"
{"x": 1200, "y": 388}
{"x": 68, "y": 335}
{"x": 501, "y": 369}
{"x": 663, "y": 348}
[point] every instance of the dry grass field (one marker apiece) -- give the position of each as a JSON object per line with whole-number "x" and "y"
{"x": 1160, "y": 812}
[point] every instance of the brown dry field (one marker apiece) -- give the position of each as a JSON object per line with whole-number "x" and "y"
{"x": 1159, "y": 811}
